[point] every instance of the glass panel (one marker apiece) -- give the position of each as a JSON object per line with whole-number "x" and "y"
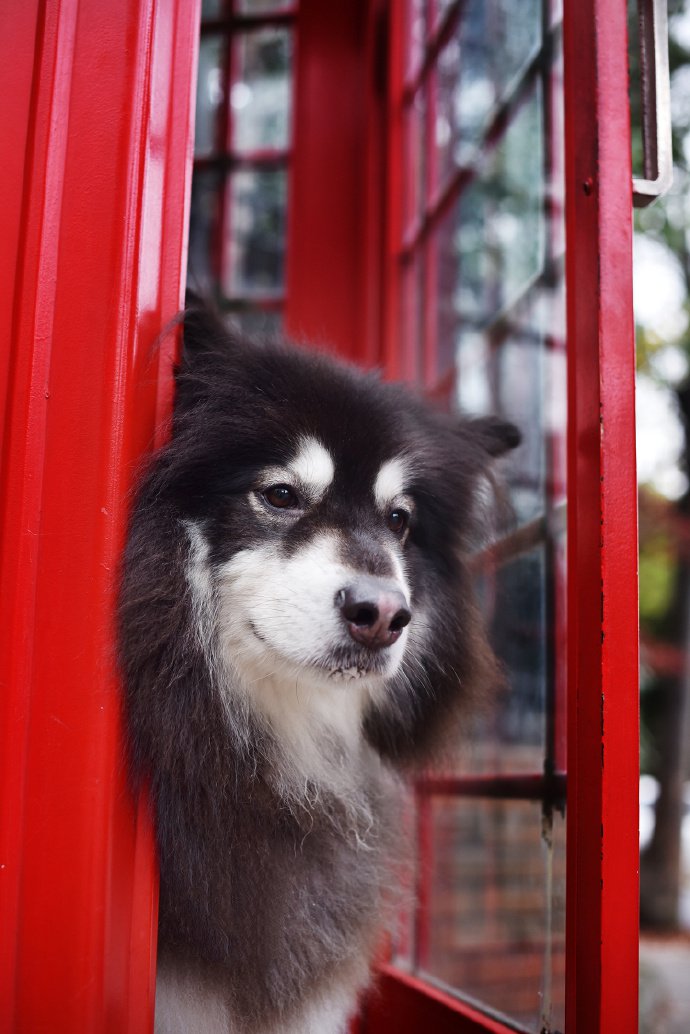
{"x": 204, "y": 228}
{"x": 255, "y": 233}
{"x": 416, "y": 33}
{"x": 509, "y": 736}
{"x": 493, "y": 244}
{"x": 211, "y": 9}
{"x": 414, "y": 168}
{"x": 411, "y": 301}
{"x": 497, "y": 890}
{"x": 260, "y": 94}
{"x": 263, "y": 6}
{"x": 209, "y": 94}
{"x": 479, "y": 68}
{"x": 495, "y": 874}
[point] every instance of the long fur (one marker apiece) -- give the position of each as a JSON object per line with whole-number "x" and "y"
{"x": 276, "y": 793}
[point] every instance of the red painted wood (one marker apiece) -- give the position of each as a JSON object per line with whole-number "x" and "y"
{"x": 91, "y": 271}
{"x": 330, "y": 183}
{"x": 602, "y": 893}
{"x": 407, "y": 1005}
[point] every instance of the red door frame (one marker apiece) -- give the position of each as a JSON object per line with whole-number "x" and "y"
{"x": 603, "y": 715}
{"x": 98, "y": 150}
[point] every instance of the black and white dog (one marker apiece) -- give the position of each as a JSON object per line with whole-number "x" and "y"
{"x": 297, "y": 626}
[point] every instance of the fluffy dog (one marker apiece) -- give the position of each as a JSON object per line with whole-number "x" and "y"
{"x": 297, "y": 627}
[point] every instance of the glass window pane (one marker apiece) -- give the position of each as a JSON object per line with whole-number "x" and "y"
{"x": 260, "y": 94}
{"x": 209, "y": 94}
{"x": 497, "y": 892}
{"x": 204, "y": 226}
{"x": 211, "y": 9}
{"x": 492, "y": 246}
{"x": 411, "y": 316}
{"x": 255, "y": 233}
{"x": 416, "y": 33}
{"x": 478, "y": 68}
{"x": 495, "y": 874}
{"x": 414, "y": 169}
{"x": 262, "y": 6}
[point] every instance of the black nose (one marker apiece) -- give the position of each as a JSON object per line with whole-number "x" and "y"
{"x": 375, "y": 612}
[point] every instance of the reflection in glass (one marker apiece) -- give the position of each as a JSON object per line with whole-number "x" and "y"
{"x": 203, "y": 228}
{"x": 211, "y": 9}
{"x": 416, "y": 32}
{"x": 262, "y": 6}
{"x": 209, "y": 94}
{"x": 509, "y": 737}
{"x": 497, "y": 883}
{"x": 520, "y": 398}
{"x": 492, "y": 244}
{"x": 519, "y": 637}
{"x": 260, "y": 93}
{"x": 473, "y": 373}
{"x": 503, "y": 211}
{"x": 478, "y": 69}
{"x": 255, "y": 233}
{"x": 415, "y": 168}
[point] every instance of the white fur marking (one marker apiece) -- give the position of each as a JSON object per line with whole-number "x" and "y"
{"x": 313, "y": 466}
{"x": 201, "y": 584}
{"x": 278, "y": 627}
{"x": 390, "y": 481}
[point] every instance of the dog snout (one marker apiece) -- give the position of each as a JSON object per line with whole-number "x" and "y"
{"x": 375, "y": 612}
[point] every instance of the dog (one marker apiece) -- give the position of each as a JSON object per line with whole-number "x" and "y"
{"x": 297, "y": 630}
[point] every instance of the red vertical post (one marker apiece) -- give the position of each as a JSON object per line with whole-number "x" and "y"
{"x": 602, "y": 895}
{"x": 100, "y": 160}
{"x": 335, "y": 204}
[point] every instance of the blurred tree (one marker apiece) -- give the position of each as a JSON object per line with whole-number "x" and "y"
{"x": 665, "y": 523}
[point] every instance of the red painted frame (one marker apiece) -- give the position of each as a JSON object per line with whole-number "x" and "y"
{"x": 603, "y": 738}
{"x": 99, "y": 153}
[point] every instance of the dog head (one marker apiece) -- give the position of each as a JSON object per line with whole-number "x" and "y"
{"x": 328, "y": 516}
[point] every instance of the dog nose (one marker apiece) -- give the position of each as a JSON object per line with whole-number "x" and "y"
{"x": 375, "y": 613}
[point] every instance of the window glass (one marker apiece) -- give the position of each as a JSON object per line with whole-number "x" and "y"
{"x": 209, "y": 94}
{"x": 211, "y": 9}
{"x": 260, "y": 94}
{"x": 414, "y": 171}
{"x": 262, "y": 6}
{"x": 255, "y": 233}
{"x": 238, "y": 223}
{"x": 482, "y": 283}
{"x": 479, "y": 69}
{"x": 496, "y": 871}
{"x": 204, "y": 229}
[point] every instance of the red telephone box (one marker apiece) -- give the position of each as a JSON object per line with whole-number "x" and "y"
{"x": 438, "y": 187}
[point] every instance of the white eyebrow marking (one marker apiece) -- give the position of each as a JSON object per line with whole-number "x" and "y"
{"x": 313, "y": 466}
{"x": 390, "y": 481}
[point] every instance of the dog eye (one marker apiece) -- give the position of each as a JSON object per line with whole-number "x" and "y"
{"x": 398, "y": 521}
{"x": 282, "y": 497}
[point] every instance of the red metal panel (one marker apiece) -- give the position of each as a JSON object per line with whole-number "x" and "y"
{"x": 92, "y": 273}
{"x": 407, "y": 1005}
{"x": 334, "y": 191}
{"x": 18, "y": 31}
{"x": 602, "y": 894}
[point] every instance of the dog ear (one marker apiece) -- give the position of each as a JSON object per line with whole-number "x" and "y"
{"x": 204, "y": 333}
{"x": 207, "y": 348}
{"x": 494, "y": 435}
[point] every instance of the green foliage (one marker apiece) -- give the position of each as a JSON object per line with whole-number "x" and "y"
{"x": 657, "y": 566}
